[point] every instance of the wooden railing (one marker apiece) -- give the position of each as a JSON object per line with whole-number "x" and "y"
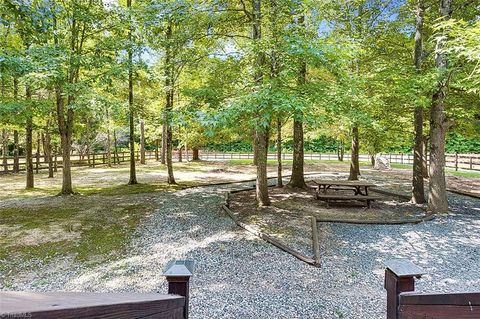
{"x": 40, "y": 162}
{"x": 404, "y": 303}
{"x": 7, "y": 164}
{"x": 455, "y": 161}
{"x": 64, "y": 305}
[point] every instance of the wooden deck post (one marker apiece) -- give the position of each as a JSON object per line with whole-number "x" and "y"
{"x": 399, "y": 277}
{"x": 178, "y": 273}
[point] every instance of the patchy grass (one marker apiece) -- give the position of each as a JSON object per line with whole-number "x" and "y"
{"x": 402, "y": 166}
{"x": 90, "y": 229}
{"x": 469, "y": 174}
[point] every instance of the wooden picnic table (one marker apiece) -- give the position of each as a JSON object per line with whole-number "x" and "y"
{"x": 359, "y": 188}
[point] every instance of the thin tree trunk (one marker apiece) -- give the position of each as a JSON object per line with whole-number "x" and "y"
{"x": 354, "y": 164}
{"x": 418, "y": 191}
{"x": 164, "y": 140}
{"x": 48, "y": 151}
{"x": 109, "y": 141}
{"x": 29, "y": 142}
{"x": 437, "y": 195}
{"x": 261, "y": 135}
{"x": 55, "y": 162}
{"x": 157, "y": 144}
{"x": 5, "y": 150}
{"x": 297, "y": 179}
{"x": 133, "y": 175}
{"x": 279, "y": 153}
{"x": 254, "y": 147}
{"x": 425, "y": 157}
{"x": 180, "y": 158}
{"x": 37, "y": 154}
{"x": 142, "y": 142}
{"x": 115, "y": 147}
{"x": 16, "y": 159}
{"x": 195, "y": 154}
{"x": 65, "y": 126}
{"x": 169, "y": 103}
{"x": 340, "y": 151}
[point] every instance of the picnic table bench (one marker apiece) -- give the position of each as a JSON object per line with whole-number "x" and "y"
{"x": 359, "y": 188}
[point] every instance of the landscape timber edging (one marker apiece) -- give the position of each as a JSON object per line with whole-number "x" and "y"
{"x": 264, "y": 236}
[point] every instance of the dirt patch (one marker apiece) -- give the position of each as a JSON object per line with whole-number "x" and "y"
{"x": 288, "y": 217}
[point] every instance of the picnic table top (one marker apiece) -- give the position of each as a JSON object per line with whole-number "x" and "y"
{"x": 343, "y": 183}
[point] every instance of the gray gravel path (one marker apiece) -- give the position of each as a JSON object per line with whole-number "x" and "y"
{"x": 240, "y": 276}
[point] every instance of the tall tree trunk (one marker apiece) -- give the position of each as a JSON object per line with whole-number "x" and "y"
{"x": 37, "y": 154}
{"x": 297, "y": 179}
{"x": 48, "y": 150}
{"x": 254, "y": 147}
{"x": 340, "y": 150}
{"x": 164, "y": 139}
{"x": 437, "y": 195}
{"x": 29, "y": 141}
{"x": 115, "y": 147}
{"x": 169, "y": 102}
{"x": 133, "y": 174}
{"x": 16, "y": 159}
{"x": 157, "y": 145}
{"x": 142, "y": 142}
{"x": 354, "y": 163}
{"x": 55, "y": 161}
{"x": 279, "y": 153}
{"x": 109, "y": 141}
{"x": 261, "y": 132}
{"x": 425, "y": 157}
{"x": 418, "y": 191}
{"x": 65, "y": 125}
{"x": 195, "y": 154}
{"x": 180, "y": 158}
{"x": 5, "y": 150}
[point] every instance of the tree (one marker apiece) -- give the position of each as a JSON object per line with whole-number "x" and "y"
{"x": 418, "y": 192}
{"x": 437, "y": 195}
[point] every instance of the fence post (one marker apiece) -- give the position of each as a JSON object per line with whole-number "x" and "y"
{"x": 399, "y": 277}
{"x": 93, "y": 159}
{"x": 178, "y": 273}
{"x": 471, "y": 162}
{"x": 456, "y": 161}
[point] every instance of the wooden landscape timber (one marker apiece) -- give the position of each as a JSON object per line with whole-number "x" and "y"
{"x": 266, "y": 237}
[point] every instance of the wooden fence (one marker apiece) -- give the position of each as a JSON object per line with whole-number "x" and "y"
{"x": 40, "y": 162}
{"x": 404, "y": 303}
{"x": 455, "y": 161}
{"x": 62, "y": 305}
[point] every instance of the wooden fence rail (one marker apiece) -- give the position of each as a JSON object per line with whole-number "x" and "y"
{"x": 455, "y": 161}
{"x": 404, "y": 303}
{"x": 63, "y": 305}
{"x": 40, "y": 162}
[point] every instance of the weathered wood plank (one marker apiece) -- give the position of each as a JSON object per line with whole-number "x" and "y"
{"x": 347, "y": 197}
{"x": 457, "y": 299}
{"x": 404, "y": 268}
{"x": 438, "y": 312}
{"x": 89, "y": 305}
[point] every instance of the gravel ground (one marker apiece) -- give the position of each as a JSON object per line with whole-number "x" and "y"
{"x": 240, "y": 276}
